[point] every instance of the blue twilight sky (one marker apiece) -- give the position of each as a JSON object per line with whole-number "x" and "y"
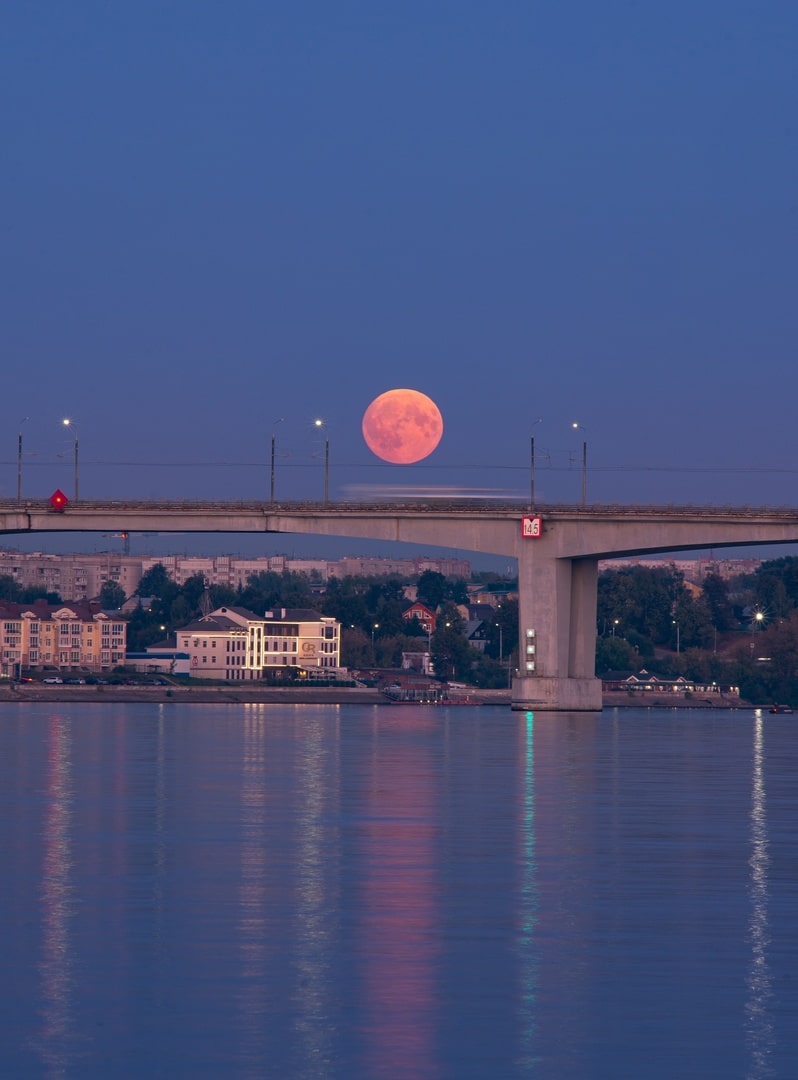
{"x": 220, "y": 214}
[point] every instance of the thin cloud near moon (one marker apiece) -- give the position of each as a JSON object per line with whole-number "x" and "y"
{"x": 402, "y": 426}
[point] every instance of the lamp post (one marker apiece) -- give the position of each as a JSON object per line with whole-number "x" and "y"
{"x": 501, "y": 651}
{"x": 71, "y": 423}
{"x": 581, "y": 427}
{"x": 678, "y": 638}
{"x": 532, "y": 467}
{"x": 374, "y": 628}
{"x": 271, "y": 484}
{"x": 19, "y": 459}
{"x": 320, "y": 424}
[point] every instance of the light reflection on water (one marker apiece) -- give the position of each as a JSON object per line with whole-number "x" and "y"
{"x": 398, "y": 892}
{"x": 759, "y": 1024}
{"x": 528, "y": 906}
{"x": 397, "y": 903}
{"x": 56, "y": 1039}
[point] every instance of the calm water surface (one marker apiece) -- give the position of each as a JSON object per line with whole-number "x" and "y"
{"x": 272, "y": 891}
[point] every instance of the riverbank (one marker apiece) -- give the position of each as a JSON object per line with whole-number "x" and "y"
{"x": 249, "y": 694}
{"x": 321, "y": 695}
{"x": 649, "y": 700}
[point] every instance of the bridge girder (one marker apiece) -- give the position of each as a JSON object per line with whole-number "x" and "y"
{"x": 557, "y": 569}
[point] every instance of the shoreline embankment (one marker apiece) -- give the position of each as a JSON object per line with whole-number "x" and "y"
{"x": 318, "y": 695}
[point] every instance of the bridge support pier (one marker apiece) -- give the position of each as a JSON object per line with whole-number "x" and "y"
{"x": 557, "y": 633}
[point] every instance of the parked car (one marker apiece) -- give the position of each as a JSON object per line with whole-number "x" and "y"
{"x": 53, "y": 679}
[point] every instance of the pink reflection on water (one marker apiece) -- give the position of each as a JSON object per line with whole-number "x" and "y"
{"x": 398, "y": 942}
{"x": 54, "y": 1044}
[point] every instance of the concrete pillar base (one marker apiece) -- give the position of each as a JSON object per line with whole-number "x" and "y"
{"x": 541, "y": 694}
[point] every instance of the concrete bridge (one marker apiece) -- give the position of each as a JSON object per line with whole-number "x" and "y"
{"x": 557, "y": 548}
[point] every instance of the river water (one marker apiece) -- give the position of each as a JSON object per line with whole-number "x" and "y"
{"x": 399, "y": 892}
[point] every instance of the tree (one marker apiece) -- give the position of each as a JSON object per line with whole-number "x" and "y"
{"x": 112, "y": 596}
{"x": 716, "y": 593}
{"x": 154, "y": 581}
{"x": 450, "y": 652}
{"x": 639, "y": 598}
{"x": 193, "y": 590}
{"x": 432, "y": 589}
{"x": 9, "y": 588}
{"x": 693, "y": 617}
{"x": 777, "y": 586}
{"x": 383, "y": 590}
{"x": 615, "y": 654}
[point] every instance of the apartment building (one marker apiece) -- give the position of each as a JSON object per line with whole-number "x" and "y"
{"x": 71, "y": 637}
{"x": 235, "y": 644}
{"x": 73, "y": 577}
{"x": 366, "y": 566}
{"x": 81, "y": 577}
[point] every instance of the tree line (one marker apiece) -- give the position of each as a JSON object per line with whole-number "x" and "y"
{"x": 741, "y": 631}
{"x": 374, "y": 634}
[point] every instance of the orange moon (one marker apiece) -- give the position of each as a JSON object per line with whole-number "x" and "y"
{"x": 402, "y": 426}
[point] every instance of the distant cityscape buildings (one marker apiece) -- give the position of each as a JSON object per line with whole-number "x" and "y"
{"x": 694, "y": 570}
{"x": 81, "y": 577}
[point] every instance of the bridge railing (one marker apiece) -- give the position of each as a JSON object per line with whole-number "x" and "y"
{"x": 471, "y": 506}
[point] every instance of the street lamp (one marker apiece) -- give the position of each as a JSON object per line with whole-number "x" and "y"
{"x": 71, "y": 423}
{"x": 756, "y": 622}
{"x": 375, "y": 627}
{"x": 678, "y": 638}
{"x": 532, "y": 467}
{"x": 271, "y": 485}
{"x": 581, "y": 427}
{"x": 320, "y": 424}
{"x": 19, "y": 459}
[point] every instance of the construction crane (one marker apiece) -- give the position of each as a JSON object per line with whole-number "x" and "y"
{"x": 120, "y": 536}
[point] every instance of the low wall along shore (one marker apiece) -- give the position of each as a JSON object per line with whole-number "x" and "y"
{"x": 321, "y": 695}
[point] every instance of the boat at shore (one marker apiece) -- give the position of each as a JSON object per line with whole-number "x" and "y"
{"x": 781, "y": 709}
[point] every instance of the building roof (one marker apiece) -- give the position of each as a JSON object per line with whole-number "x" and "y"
{"x": 210, "y": 624}
{"x": 86, "y": 610}
{"x": 293, "y": 615}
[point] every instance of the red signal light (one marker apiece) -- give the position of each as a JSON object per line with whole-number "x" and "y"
{"x": 58, "y": 500}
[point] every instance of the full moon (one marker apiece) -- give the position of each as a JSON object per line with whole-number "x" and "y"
{"x": 402, "y": 426}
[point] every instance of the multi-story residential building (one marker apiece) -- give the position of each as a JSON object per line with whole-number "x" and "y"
{"x": 366, "y": 566}
{"x": 72, "y": 577}
{"x": 234, "y": 644}
{"x": 81, "y": 577}
{"x": 69, "y": 637}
